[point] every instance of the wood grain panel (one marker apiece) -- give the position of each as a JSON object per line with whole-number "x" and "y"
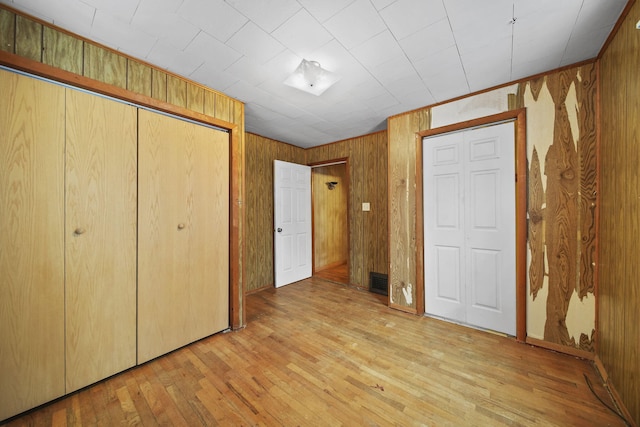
{"x": 224, "y": 108}
{"x": 562, "y": 172}
{"x": 357, "y": 230}
{"x": 28, "y": 38}
{"x": 105, "y": 65}
{"x": 176, "y": 91}
{"x": 31, "y": 243}
{"x": 100, "y": 254}
{"x": 619, "y": 200}
{"x": 139, "y": 78}
{"x": 537, "y": 268}
{"x": 195, "y": 98}
{"x": 7, "y": 30}
{"x": 330, "y": 233}
{"x": 158, "y": 85}
{"x": 587, "y": 152}
{"x": 183, "y": 261}
{"x": 259, "y": 156}
{"x": 62, "y": 50}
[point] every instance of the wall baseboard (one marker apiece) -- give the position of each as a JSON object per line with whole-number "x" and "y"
{"x": 615, "y": 396}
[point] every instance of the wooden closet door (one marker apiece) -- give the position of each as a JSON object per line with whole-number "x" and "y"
{"x": 183, "y": 233}
{"x": 31, "y": 243}
{"x": 101, "y": 202}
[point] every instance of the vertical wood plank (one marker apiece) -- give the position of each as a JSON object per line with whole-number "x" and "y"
{"x": 139, "y": 78}
{"x": 105, "y": 65}
{"x": 28, "y": 38}
{"x": 7, "y": 30}
{"x": 176, "y": 91}
{"x": 195, "y": 98}
{"x": 62, "y": 51}
{"x": 159, "y": 85}
{"x": 224, "y": 108}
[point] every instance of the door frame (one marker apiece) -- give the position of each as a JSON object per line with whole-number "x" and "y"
{"x": 519, "y": 117}
{"x": 345, "y": 161}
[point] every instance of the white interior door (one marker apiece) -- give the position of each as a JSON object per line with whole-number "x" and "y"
{"x": 292, "y": 222}
{"x": 469, "y": 215}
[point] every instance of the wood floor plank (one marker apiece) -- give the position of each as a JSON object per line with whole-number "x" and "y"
{"x": 320, "y": 353}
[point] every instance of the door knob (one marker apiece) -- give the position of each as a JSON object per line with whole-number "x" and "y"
{"x": 78, "y": 231}
{"x": 279, "y": 230}
{"x": 180, "y": 226}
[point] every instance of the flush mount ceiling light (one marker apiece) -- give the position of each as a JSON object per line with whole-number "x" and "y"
{"x": 312, "y": 78}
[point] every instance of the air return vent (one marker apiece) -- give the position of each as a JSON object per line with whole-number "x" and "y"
{"x": 378, "y": 283}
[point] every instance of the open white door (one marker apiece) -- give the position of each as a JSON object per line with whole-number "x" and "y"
{"x": 469, "y": 224}
{"x": 292, "y": 222}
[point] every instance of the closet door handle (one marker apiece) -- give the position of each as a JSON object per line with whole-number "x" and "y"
{"x": 180, "y": 226}
{"x": 78, "y": 231}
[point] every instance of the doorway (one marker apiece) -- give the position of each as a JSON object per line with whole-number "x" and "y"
{"x": 330, "y": 192}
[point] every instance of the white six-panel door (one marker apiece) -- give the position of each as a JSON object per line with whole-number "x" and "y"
{"x": 469, "y": 226}
{"x": 292, "y": 222}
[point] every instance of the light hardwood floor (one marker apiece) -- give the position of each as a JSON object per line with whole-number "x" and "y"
{"x": 316, "y": 353}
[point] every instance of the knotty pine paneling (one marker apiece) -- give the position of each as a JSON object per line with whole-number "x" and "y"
{"x": 330, "y": 231}
{"x": 260, "y": 152}
{"x": 62, "y": 51}
{"x": 159, "y": 85}
{"x": 619, "y": 250}
{"x": 176, "y": 91}
{"x": 28, "y": 38}
{"x": 195, "y": 98}
{"x": 7, "y": 30}
{"x": 367, "y": 161}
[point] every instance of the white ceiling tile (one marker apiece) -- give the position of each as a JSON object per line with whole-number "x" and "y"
{"x": 213, "y": 16}
{"x": 405, "y": 17}
{"x": 175, "y": 60}
{"x": 325, "y": 9}
{"x": 121, "y": 35}
{"x": 428, "y": 41}
{"x": 302, "y": 34}
{"x": 121, "y": 9}
{"x": 449, "y": 85}
{"x": 166, "y": 26}
{"x": 253, "y": 42}
{"x": 368, "y": 25}
{"x": 248, "y": 70}
{"x": 381, "y": 4}
{"x": 477, "y": 28}
{"x": 377, "y": 50}
{"x": 393, "y": 70}
{"x": 212, "y": 51}
{"x": 211, "y": 76}
{"x": 267, "y": 14}
{"x": 439, "y": 63}
{"x": 69, "y": 14}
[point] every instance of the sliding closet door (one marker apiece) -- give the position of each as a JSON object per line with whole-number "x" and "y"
{"x": 100, "y": 238}
{"x": 31, "y": 243}
{"x": 183, "y": 261}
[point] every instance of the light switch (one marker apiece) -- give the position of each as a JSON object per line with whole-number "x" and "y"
{"x": 366, "y": 207}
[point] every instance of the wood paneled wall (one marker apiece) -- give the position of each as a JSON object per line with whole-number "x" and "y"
{"x": 561, "y": 152}
{"x": 619, "y": 225}
{"x": 260, "y": 154}
{"x": 367, "y": 158}
{"x": 29, "y": 38}
{"x": 330, "y": 207}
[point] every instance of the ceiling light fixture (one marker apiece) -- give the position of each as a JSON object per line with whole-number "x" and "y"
{"x": 312, "y": 78}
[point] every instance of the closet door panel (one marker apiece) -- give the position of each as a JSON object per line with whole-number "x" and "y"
{"x": 208, "y": 218}
{"x": 31, "y": 243}
{"x": 101, "y": 202}
{"x": 183, "y": 262}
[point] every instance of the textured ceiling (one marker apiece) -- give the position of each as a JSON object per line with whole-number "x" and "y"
{"x": 393, "y": 55}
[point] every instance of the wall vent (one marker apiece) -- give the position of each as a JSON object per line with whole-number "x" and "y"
{"x": 378, "y": 283}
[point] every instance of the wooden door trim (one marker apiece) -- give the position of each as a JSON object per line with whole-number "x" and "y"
{"x": 519, "y": 116}
{"x": 236, "y": 313}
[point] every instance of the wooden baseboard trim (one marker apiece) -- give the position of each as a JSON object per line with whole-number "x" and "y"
{"x": 612, "y": 391}
{"x": 255, "y": 291}
{"x": 328, "y": 266}
{"x": 560, "y": 348}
